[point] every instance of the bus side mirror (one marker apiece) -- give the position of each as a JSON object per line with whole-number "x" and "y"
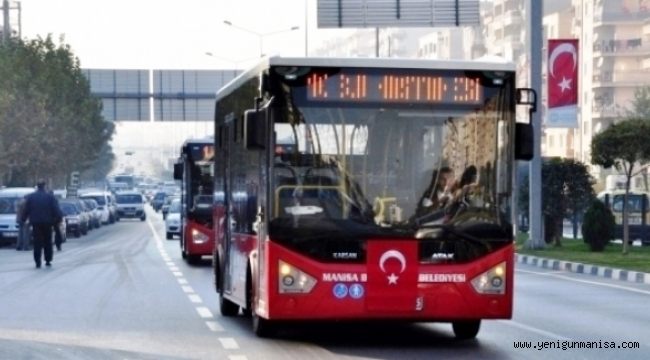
{"x": 178, "y": 171}
{"x": 524, "y": 135}
{"x": 255, "y": 129}
{"x": 523, "y": 141}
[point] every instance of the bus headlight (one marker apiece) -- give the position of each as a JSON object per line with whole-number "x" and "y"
{"x": 199, "y": 237}
{"x": 492, "y": 281}
{"x": 293, "y": 280}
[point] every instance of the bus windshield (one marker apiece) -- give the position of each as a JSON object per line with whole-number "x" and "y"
{"x": 394, "y": 167}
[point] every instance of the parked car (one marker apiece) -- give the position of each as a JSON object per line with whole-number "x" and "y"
{"x": 95, "y": 213}
{"x": 103, "y": 199}
{"x": 130, "y": 204}
{"x": 173, "y": 220}
{"x": 158, "y": 200}
{"x": 9, "y": 199}
{"x": 84, "y": 214}
{"x": 75, "y": 221}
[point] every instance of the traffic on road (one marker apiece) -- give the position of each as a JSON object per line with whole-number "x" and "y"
{"x": 124, "y": 291}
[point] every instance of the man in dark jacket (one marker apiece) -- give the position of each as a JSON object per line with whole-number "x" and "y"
{"x": 42, "y": 210}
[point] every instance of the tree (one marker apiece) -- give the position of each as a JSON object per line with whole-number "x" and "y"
{"x": 640, "y": 104}
{"x": 598, "y": 227}
{"x": 50, "y": 124}
{"x": 566, "y": 191}
{"x": 623, "y": 146}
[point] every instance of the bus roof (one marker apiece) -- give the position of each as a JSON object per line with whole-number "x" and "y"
{"x": 206, "y": 140}
{"x": 486, "y": 64}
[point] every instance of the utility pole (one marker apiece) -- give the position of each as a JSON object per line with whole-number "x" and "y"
{"x": 6, "y": 30}
{"x": 535, "y": 177}
{"x": 376, "y": 42}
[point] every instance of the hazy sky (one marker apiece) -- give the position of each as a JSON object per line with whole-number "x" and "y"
{"x": 174, "y": 34}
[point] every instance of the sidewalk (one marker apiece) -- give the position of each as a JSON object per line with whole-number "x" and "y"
{"x": 580, "y": 268}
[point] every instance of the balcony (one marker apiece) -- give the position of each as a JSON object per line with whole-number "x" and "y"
{"x": 630, "y": 78}
{"x": 513, "y": 17}
{"x": 599, "y": 111}
{"x": 622, "y": 47}
{"x": 607, "y": 16}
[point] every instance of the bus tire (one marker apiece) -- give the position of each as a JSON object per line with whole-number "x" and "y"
{"x": 193, "y": 259}
{"x": 248, "y": 310}
{"x": 227, "y": 307}
{"x": 216, "y": 271}
{"x": 467, "y": 329}
{"x": 262, "y": 327}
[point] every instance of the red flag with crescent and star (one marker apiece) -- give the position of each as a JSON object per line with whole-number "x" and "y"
{"x": 562, "y": 79}
{"x": 562, "y": 72}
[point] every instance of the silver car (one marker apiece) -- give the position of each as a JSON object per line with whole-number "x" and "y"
{"x": 9, "y": 199}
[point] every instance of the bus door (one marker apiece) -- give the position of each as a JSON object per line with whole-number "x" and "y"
{"x": 228, "y": 129}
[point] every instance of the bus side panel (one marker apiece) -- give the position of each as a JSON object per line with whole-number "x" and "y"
{"x": 437, "y": 300}
{"x": 242, "y": 246}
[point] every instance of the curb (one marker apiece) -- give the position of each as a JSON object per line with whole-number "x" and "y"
{"x": 636, "y": 277}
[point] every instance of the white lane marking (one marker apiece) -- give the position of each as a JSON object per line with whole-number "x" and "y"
{"x": 535, "y": 330}
{"x": 620, "y": 287}
{"x": 204, "y": 312}
{"x": 229, "y": 343}
{"x": 237, "y": 357}
{"x": 214, "y": 326}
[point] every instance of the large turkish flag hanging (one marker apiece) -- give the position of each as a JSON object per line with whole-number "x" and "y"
{"x": 562, "y": 86}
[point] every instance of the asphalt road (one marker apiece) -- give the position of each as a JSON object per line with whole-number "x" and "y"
{"x": 123, "y": 292}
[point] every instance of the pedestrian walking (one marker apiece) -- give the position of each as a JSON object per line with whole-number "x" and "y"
{"x": 42, "y": 210}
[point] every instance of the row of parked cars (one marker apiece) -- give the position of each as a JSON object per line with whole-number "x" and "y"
{"x": 90, "y": 210}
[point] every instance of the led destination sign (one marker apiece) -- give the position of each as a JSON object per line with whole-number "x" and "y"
{"x": 423, "y": 88}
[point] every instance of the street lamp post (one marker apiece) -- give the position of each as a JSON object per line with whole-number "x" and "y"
{"x": 259, "y": 35}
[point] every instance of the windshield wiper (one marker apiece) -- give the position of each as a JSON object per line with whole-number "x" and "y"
{"x": 451, "y": 229}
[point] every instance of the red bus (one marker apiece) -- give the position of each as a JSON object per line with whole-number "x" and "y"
{"x": 194, "y": 169}
{"x": 358, "y": 189}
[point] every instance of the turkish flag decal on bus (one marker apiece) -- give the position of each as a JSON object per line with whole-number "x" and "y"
{"x": 392, "y": 275}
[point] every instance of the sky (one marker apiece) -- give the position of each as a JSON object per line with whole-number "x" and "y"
{"x": 165, "y": 34}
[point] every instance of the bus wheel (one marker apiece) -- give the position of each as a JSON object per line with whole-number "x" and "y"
{"x": 227, "y": 307}
{"x": 182, "y": 245}
{"x": 262, "y": 327}
{"x": 193, "y": 259}
{"x": 248, "y": 310}
{"x": 466, "y": 329}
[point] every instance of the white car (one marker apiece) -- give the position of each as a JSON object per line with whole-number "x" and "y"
{"x": 173, "y": 224}
{"x": 9, "y": 198}
{"x": 130, "y": 204}
{"x": 103, "y": 199}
